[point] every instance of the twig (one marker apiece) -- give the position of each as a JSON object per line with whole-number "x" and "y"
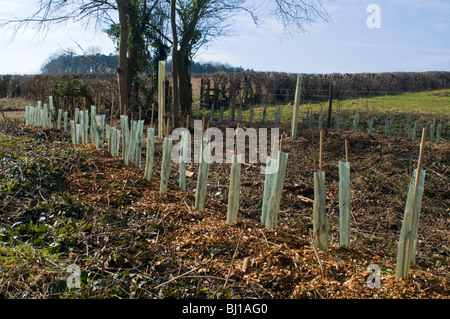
{"x": 176, "y": 278}
{"x": 232, "y": 260}
{"x": 315, "y": 251}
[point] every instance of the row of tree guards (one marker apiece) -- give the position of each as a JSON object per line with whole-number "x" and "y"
{"x": 411, "y": 126}
{"x": 91, "y": 126}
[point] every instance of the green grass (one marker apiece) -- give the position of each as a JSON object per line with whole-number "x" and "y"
{"x": 425, "y": 107}
{"x": 429, "y": 102}
{"x": 13, "y": 104}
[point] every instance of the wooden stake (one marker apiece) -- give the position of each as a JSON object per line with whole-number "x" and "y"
{"x": 236, "y": 140}
{"x": 167, "y": 126}
{"x": 346, "y": 150}
{"x": 330, "y": 105}
{"x": 321, "y": 150}
{"x": 281, "y": 143}
{"x": 422, "y": 145}
{"x": 203, "y": 126}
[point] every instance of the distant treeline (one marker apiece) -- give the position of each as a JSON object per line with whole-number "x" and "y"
{"x": 273, "y": 87}
{"x": 81, "y": 64}
{"x": 68, "y": 63}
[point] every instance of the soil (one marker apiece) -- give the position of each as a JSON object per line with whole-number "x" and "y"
{"x": 206, "y": 257}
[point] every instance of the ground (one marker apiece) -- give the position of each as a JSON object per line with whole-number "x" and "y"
{"x": 64, "y": 204}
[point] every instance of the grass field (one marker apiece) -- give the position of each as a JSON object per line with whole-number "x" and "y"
{"x": 426, "y": 107}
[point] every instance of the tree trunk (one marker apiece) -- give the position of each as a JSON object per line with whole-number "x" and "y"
{"x": 122, "y": 70}
{"x": 185, "y": 86}
{"x": 175, "y": 65}
{"x": 132, "y": 59}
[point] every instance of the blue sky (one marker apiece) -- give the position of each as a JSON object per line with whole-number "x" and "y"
{"x": 414, "y": 36}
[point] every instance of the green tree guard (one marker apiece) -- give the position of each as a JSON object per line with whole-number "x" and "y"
{"x": 93, "y": 128}
{"x": 66, "y": 121}
{"x": 344, "y": 203}
{"x": 83, "y": 139}
{"x": 182, "y": 165}
{"x": 408, "y": 234}
{"x": 132, "y": 144}
{"x": 150, "y": 153}
{"x": 202, "y": 180}
{"x": 234, "y": 190}
{"x": 86, "y": 127}
{"x": 273, "y": 202}
{"x": 108, "y": 133}
{"x": 431, "y": 132}
{"x": 438, "y": 134}
{"x": 320, "y": 221}
{"x": 414, "y": 133}
{"x": 268, "y": 183}
{"x": 139, "y": 139}
{"x": 370, "y": 126}
{"x": 73, "y": 132}
{"x": 166, "y": 165}
{"x": 78, "y": 133}
{"x": 356, "y": 123}
{"x": 100, "y": 125}
{"x": 337, "y": 123}
{"x": 125, "y": 139}
{"x": 58, "y": 122}
{"x": 51, "y": 111}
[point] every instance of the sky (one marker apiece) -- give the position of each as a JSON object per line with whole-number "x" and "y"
{"x": 406, "y": 35}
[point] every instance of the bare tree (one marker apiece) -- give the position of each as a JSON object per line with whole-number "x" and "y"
{"x": 100, "y": 13}
{"x": 194, "y": 23}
